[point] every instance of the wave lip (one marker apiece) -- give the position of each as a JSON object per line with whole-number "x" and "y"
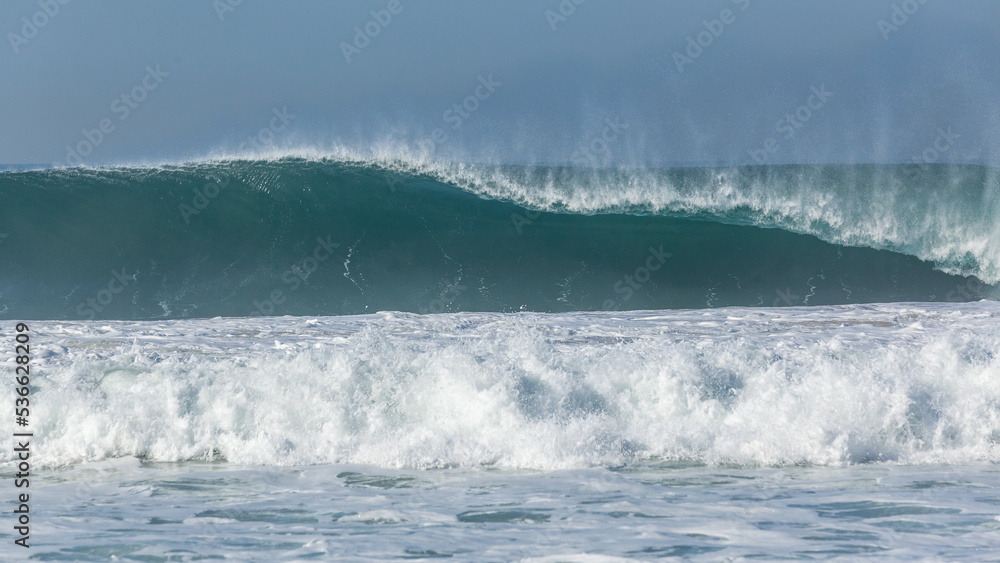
{"x": 902, "y": 383}
{"x": 945, "y": 214}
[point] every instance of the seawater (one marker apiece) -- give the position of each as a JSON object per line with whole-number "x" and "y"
{"x": 346, "y": 236}
{"x": 842, "y": 431}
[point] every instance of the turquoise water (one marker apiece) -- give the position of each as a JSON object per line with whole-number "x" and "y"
{"x": 325, "y": 237}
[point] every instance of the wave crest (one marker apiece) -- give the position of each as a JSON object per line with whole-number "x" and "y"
{"x": 221, "y": 237}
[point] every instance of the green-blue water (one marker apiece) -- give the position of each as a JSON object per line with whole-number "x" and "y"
{"x": 323, "y": 237}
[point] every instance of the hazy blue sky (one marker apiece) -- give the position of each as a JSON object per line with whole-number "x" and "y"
{"x": 223, "y": 73}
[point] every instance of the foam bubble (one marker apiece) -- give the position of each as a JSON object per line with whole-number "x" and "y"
{"x": 828, "y": 385}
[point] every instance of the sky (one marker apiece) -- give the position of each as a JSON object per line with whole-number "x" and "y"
{"x": 544, "y": 81}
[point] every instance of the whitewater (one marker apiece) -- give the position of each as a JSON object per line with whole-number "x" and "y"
{"x": 840, "y": 431}
{"x": 907, "y": 383}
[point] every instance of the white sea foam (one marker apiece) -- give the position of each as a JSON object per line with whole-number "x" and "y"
{"x": 907, "y": 383}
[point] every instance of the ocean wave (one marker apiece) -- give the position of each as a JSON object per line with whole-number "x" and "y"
{"x": 344, "y": 234}
{"x": 947, "y": 214}
{"x": 908, "y": 383}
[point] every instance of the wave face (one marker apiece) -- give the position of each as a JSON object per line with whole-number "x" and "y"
{"x": 901, "y": 383}
{"x": 331, "y": 237}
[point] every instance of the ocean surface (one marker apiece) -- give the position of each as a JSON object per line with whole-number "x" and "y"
{"x": 335, "y": 358}
{"x": 342, "y": 236}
